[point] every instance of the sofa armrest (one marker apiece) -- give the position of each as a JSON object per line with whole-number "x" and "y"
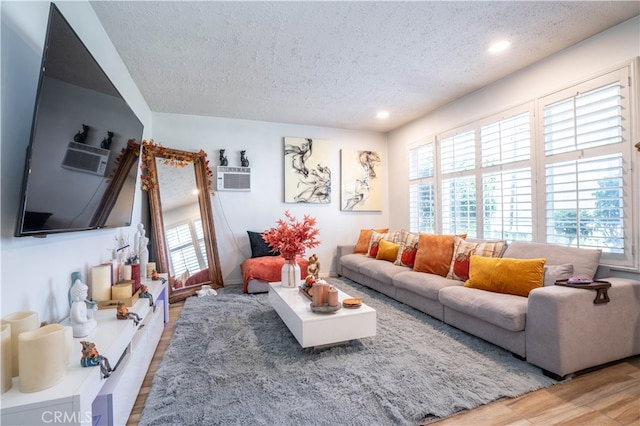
{"x": 566, "y": 332}
{"x": 342, "y": 250}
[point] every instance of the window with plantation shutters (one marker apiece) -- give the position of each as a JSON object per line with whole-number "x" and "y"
{"x": 587, "y": 167}
{"x": 186, "y": 248}
{"x": 421, "y": 189}
{"x": 557, "y": 170}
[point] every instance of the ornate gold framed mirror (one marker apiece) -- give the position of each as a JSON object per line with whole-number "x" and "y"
{"x": 178, "y": 184}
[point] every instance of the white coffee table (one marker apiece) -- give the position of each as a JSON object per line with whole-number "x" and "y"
{"x": 314, "y": 329}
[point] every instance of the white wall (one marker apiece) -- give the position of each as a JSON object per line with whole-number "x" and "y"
{"x": 35, "y": 273}
{"x": 612, "y": 48}
{"x": 238, "y": 212}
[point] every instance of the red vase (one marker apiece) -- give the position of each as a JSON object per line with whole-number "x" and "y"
{"x": 135, "y": 276}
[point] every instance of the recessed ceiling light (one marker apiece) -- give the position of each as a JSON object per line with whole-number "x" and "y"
{"x": 383, "y": 115}
{"x": 499, "y": 46}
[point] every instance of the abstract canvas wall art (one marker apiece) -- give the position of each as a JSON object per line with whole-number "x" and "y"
{"x": 361, "y": 180}
{"x": 307, "y": 176}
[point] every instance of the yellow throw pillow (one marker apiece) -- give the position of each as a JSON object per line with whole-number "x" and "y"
{"x": 387, "y": 250}
{"x": 505, "y": 275}
{"x": 362, "y": 246}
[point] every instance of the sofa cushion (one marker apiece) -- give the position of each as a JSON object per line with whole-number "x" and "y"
{"x": 387, "y": 251}
{"x": 362, "y": 246}
{"x": 381, "y": 270}
{"x": 408, "y": 249}
{"x": 584, "y": 261}
{"x": 355, "y": 260}
{"x": 462, "y": 251}
{"x": 434, "y": 254}
{"x": 503, "y": 310}
{"x": 259, "y": 247}
{"x": 505, "y": 275}
{"x": 427, "y": 285}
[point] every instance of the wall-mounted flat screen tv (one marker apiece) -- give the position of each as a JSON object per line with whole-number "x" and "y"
{"x": 82, "y": 158}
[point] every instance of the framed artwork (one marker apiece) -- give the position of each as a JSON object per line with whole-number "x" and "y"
{"x": 307, "y": 176}
{"x": 361, "y": 180}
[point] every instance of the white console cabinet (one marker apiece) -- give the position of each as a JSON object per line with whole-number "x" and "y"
{"x": 84, "y": 397}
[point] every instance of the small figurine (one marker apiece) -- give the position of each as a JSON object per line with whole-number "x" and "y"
{"x": 313, "y": 267}
{"x": 91, "y": 358}
{"x": 223, "y": 159}
{"x": 81, "y": 136}
{"x": 122, "y": 313}
{"x": 106, "y": 142}
{"x": 244, "y": 161}
{"x": 82, "y": 321}
{"x": 154, "y": 275}
{"x": 144, "y": 293}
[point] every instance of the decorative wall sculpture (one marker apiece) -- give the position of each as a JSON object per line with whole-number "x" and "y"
{"x": 361, "y": 180}
{"x": 307, "y": 176}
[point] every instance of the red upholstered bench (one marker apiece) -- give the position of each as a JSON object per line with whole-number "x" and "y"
{"x": 257, "y": 272}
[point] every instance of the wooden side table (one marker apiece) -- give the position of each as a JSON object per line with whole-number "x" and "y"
{"x": 600, "y": 287}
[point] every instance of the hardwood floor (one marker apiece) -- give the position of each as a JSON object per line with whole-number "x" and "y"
{"x": 608, "y": 396}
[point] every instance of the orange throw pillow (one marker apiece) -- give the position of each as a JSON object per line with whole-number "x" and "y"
{"x": 362, "y": 246}
{"x": 434, "y": 253}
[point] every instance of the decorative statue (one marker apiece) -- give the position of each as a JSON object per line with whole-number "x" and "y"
{"x": 144, "y": 293}
{"x": 81, "y": 136}
{"x": 223, "y": 159}
{"x": 91, "y": 358}
{"x": 122, "y": 313}
{"x": 82, "y": 321}
{"x": 106, "y": 142}
{"x": 140, "y": 244}
{"x": 244, "y": 161}
{"x": 313, "y": 267}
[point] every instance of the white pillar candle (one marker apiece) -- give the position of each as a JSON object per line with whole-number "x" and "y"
{"x": 43, "y": 358}
{"x": 101, "y": 283}
{"x": 125, "y": 272}
{"x": 5, "y": 358}
{"x": 19, "y": 321}
{"x": 121, "y": 291}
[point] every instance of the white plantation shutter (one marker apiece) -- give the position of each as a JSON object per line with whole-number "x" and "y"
{"x": 587, "y": 120}
{"x": 459, "y": 206}
{"x": 421, "y": 189}
{"x": 421, "y": 161}
{"x": 507, "y": 209}
{"x": 506, "y": 141}
{"x": 458, "y": 152}
{"x": 422, "y": 207}
{"x": 585, "y": 200}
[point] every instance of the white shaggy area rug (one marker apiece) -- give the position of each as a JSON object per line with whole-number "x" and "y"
{"x": 232, "y": 361}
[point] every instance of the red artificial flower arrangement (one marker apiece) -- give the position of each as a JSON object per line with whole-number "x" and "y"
{"x": 292, "y": 237}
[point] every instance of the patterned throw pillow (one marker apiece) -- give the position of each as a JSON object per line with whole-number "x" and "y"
{"x": 375, "y": 240}
{"x": 408, "y": 249}
{"x": 462, "y": 251}
{"x": 362, "y": 246}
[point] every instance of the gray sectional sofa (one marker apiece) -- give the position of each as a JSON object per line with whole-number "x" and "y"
{"x": 558, "y": 329}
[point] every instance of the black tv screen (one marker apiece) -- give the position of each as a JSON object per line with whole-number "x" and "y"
{"x": 82, "y": 158}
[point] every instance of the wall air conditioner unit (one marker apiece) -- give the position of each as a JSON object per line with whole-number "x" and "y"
{"x": 85, "y": 158}
{"x": 233, "y": 178}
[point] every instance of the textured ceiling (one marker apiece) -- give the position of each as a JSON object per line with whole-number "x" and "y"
{"x": 336, "y": 64}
